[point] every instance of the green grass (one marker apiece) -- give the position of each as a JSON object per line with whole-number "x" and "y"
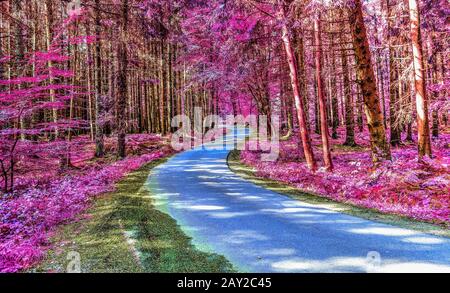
{"x": 248, "y": 173}
{"x": 123, "y": 232}
{"x": 346, "y": 148}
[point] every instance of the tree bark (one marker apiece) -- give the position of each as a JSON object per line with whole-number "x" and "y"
{"x": 122, "y": 84}
{"x": 99, "y": 104}
{"x": 349, "y": 108}
{"x": 300, "y": 58}
{"x": 433, "y": 74}
{"x": 49, "y": 31}
{"x": 366, "y": 77}
{"x": 301, "y": 115}
{"x": 320, "y": 92}
{"x": 423, "y": 127}
{"x": 394, "y": 95}
{"x": 334, "y": 94}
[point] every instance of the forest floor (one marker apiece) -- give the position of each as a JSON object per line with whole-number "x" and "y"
{"x": 402, "y": 187}
{"x": 123, "y": 232}
{"x": 48, "y": 196}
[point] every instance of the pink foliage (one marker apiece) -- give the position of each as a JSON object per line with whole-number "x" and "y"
{"x": 403, "y": 187}
{"x": 29, "y": 218}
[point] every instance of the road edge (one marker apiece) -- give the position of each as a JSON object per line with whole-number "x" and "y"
{"x": 248, "y": 173}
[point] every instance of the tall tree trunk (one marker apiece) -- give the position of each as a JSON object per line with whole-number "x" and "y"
{"x": 19, "y": 45}
{"x": 122, "y": 94}
{"x": 99, "y": 104}
{"x": 300, "y": 58}
{"x": 423, "y": 126}
{"x": 349, "y": 108}
{"x": 301, "y": 115}
{"x": 2, "y": 67}
{"x": 394, "y": 89}
{"x": 380, "y": 147}
{"x": 379, "y": 67}
{"x": 49, "y": 31}
{"x": 90, "y": 109}
{"x": 381, "y": 82}
{"x": 411, "y": 110}
{"x": 321, "y": 97}
{"x": 334, "y": 93}
{"x": 163, "y": 88}
{"x": 168, "y": 86}
{"x": 434, "y": 80}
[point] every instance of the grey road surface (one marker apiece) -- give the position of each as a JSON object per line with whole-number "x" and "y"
{"x": 261, "y": 231}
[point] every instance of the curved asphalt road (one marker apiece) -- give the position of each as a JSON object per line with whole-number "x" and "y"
{"x": 262, "y": 231}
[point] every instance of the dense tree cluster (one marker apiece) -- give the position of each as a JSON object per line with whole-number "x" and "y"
{"x": 116, "y": 67}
